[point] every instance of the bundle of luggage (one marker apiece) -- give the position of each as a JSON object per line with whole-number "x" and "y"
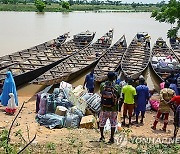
{"x": 67, "y": 107}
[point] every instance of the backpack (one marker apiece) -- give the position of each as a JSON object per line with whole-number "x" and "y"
{"x": 108, "y": 96}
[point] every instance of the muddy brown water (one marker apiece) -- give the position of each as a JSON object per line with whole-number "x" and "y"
{"x": 21, "y": 30}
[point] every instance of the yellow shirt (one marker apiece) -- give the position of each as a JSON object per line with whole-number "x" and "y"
{"x": 129, "y": 92}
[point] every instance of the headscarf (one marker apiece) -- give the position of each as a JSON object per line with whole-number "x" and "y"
{"x": 8, "y": 87}
{"x": 11, "y": 101}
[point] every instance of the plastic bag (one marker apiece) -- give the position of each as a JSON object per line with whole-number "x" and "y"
{"x": 72, "y": 120}
{"x": 94, "y": 103}
{"x": 148, "y": 106}
{"x": 107, "y": 126}
{"x": 42, "y": 104}
{"x": 154, "y": 104}
{"x": 64, "y": 85}
{"x": 51, "y": 104}
{"x": 50, "y": 120}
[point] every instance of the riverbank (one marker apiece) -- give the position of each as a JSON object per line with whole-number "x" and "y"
{"x": 80, "y": 140}
{"x": 30, "y": 7}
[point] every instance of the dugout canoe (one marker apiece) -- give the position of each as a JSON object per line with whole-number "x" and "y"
{"x": 176, "y": 48}
{"x": 163, "y": 60}
{"x": 111, "y": 60}
{"x": 136, "y": 58}
{"x": 36, "y": 64}
{"x": 77, "y": 63}
{"x": 22, "y": 55}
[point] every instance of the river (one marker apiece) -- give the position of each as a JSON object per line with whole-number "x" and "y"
{"x": 21, "y": 30}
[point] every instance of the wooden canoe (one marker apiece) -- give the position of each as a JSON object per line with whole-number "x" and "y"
{"x": 176, "y": 48}
{"x": 111, "y": 60}
{"x": 77, "y": 63}
{"x": 163, "y": 60}
{"x": 136, "y": 58}
{"x": 37, "y": 63}
{"x": 22, "y": 55}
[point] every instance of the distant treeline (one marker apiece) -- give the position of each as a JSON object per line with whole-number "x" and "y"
{"x": 77, "y": 5}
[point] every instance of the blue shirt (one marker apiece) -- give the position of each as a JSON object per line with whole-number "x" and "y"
{"x": 174, "y": 87}
{"x": 89, "y": 81}
{"x": 142, "y": 97}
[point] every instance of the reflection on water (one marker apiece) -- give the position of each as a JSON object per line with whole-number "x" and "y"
{"x": 21, "y": 30}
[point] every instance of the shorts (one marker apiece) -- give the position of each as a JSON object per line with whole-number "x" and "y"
{"x": 128, "y": 108}
{"x": 104, "y": 115}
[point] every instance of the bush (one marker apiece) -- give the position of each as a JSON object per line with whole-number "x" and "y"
{"x": 40, "y": 5}
{"x": 65, "y": 5}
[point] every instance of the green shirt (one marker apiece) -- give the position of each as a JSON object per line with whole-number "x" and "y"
{"x": 118, "y": 91}
{"x": 129, "y": 92}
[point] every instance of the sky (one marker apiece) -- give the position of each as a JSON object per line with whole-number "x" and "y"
{"x": 143, "y": 1}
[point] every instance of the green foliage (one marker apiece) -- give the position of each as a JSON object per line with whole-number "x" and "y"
{"x": 134, "y": 5}
{"x": 51, "y": 146}
{"x": 65, "y": 5}
{"x": 40, "y": 5}
{"x": 3, "y": 143}
{"x": 170, "y": 14}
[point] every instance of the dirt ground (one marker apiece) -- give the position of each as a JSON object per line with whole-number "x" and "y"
{"x": 73, "y": 140}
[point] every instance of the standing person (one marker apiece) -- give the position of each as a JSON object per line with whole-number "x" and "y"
{"x": 173, "y": 86}
{"x": 148, "y": 38}
{"x": 166, "y": 95}
{"x": 129, "y": 93}
{"x": 142, "y": 98}
{"x": 89, "y": 82}
{"x": 175, "y": 101}
{"x": 121, "y": 101}
{"x": 109, "y": 105}
{"x": 8, "y": 87}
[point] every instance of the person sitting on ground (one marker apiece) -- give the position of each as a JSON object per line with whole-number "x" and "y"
{"x": 129, "y": 93}
{"x": 110, "y": 93}
{"x": 142, "y": 99}
{"x": 89, "y": 82}
{"x": 175, "y": 106}
{"x": 166, "y": 95}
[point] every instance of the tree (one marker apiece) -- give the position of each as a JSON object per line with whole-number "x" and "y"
{"x": 40, "y": 5}
{"x": 65, "y": 5}
{"x": 134, "y": 5}
{"x": 170, "y": 14}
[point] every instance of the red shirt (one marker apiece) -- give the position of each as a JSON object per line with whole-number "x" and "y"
{"x": 176, "y": 99}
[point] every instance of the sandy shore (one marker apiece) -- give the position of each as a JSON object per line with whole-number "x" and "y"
{"x": 84, "y": 138}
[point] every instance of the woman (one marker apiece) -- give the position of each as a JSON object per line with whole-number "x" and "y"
{"x": 8, "y": 87}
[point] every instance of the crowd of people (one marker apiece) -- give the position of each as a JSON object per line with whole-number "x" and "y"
{"x": 134, "y": 96}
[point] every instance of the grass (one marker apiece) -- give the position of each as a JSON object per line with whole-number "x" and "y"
{"x": 57, "y": 8}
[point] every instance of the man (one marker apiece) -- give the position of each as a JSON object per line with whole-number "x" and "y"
{"x": 148, "y": 38}
{"x": 129, "y": 93}
{"x": 175, "y": 106}
{"x": 89, "y": 82}
{"x": 142, "y": 99}
{"x": 110, "y": 93}
{"x": 166, "y": 95}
